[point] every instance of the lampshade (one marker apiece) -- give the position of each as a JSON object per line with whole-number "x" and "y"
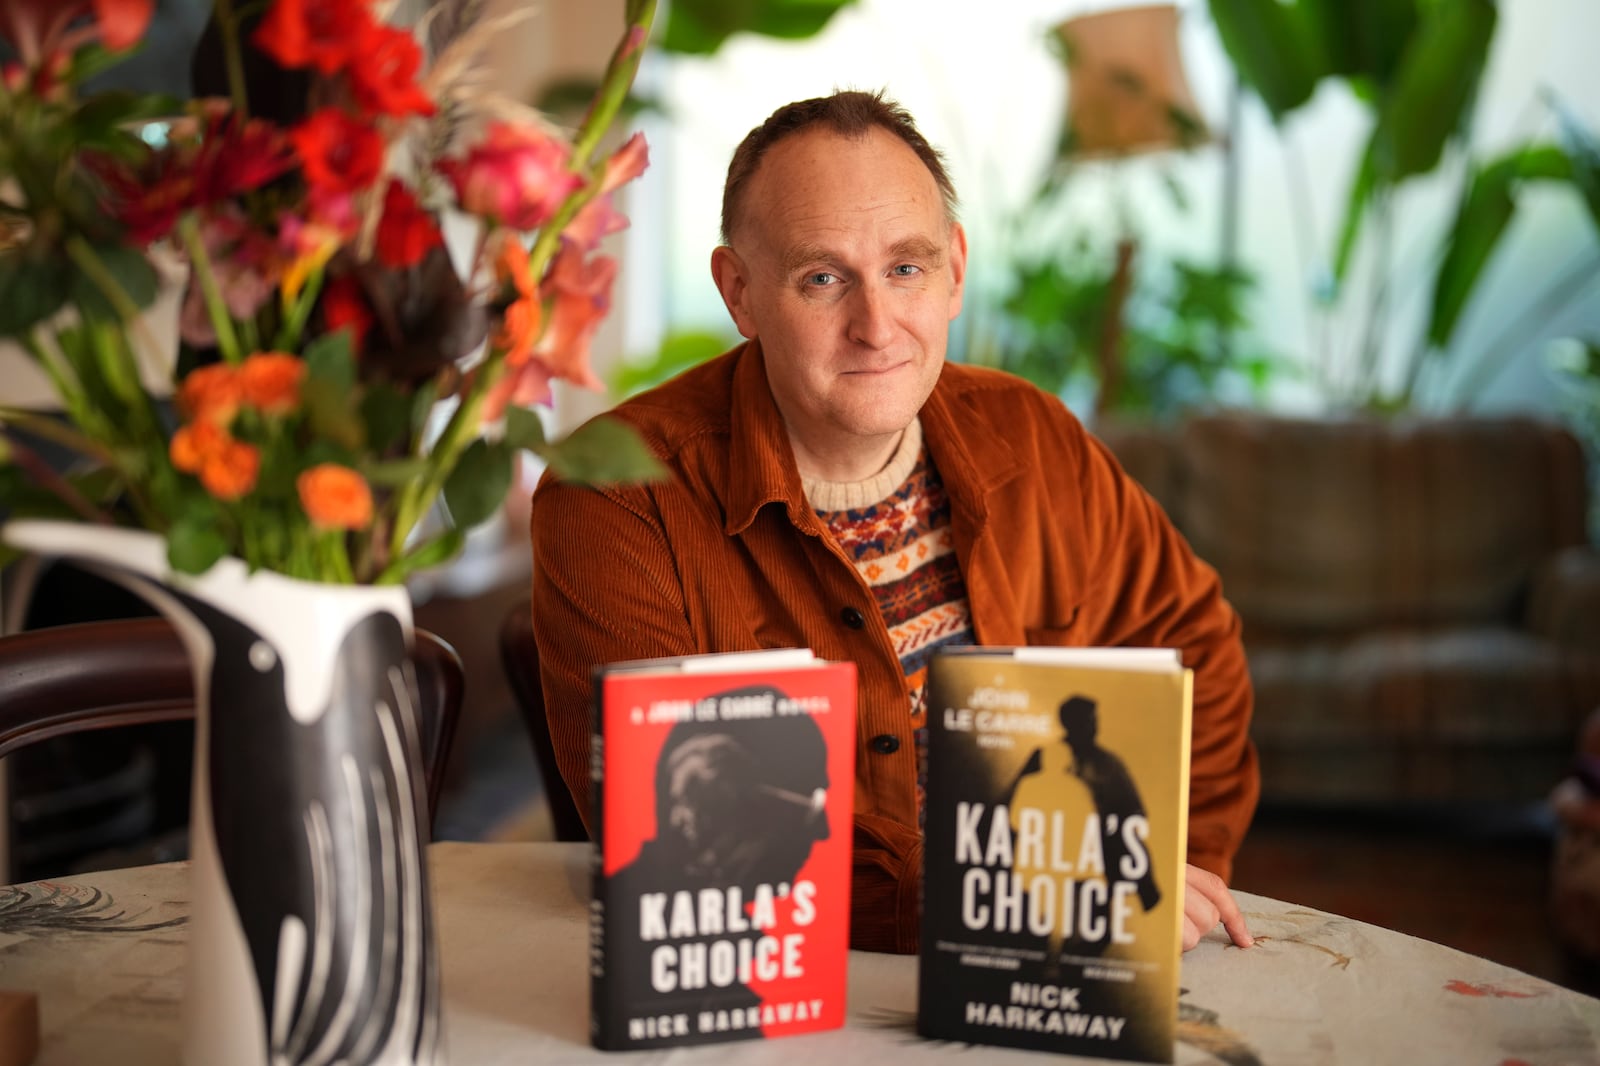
{"x": 1126, "y": 90}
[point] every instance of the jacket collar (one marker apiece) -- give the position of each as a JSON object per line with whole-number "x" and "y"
{"x": 762, "y": 467}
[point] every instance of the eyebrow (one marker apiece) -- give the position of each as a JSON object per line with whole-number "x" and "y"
{"x": 916, "y": 247}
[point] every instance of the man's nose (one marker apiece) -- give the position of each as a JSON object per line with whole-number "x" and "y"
{"x": 871, "y": 322}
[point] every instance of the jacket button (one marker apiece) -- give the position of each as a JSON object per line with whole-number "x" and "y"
{"x": 852, "y": 618}
{"x": 885, "y": 743}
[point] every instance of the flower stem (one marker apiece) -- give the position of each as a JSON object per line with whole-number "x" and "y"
{"x": 47, "y": 478}
{"x": 419, "y": 496}
{"x": 216, "y": 308}
{"x": 228, "y": 24}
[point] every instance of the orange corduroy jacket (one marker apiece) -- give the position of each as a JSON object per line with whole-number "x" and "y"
{"x": 1057, "y": 547}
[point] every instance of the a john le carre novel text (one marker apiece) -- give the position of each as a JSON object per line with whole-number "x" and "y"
{"x": 1057, "y": 815}
{"x": 723, "y": 788}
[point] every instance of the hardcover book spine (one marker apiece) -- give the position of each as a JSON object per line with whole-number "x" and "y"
{"x": 601, "y": 1016}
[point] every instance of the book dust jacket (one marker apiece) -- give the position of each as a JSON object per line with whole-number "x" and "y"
{"x": 1057, "y": 809}
{"x": 721, "y": 904}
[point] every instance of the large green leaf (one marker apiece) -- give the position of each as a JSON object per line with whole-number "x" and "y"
{"x": 679, "y": 351}
{"x": 524, "y": 429}
{"x": 478, "y": 485}
{"x": 1273, "y": 50}
{"x": 129, "y": 270}
{"x": 1583, "y": 150}
{"x": 193, "y": 542}
{"x": 1481, "y": 220}
{"x": 1362, "y": 185}
{"x": 1362, "y": 38}
{"x": 1434, "y": 89}
{"x": 604, "y": 450}
{"x": 31, "y": 292}
{"x": 699, "y": 27}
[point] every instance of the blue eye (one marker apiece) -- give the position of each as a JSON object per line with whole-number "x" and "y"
{"x": 821, "y": 277}
{"x": 906, "y": 270}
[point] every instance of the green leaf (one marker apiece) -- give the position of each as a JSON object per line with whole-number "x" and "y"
{"x": 31, "y": 291}
{"x": 1583, "y": 149}
{"x": 604, "y": 450}
{"x": 679, "y": 351}
{"x": 1362, "y": 186}
{"x": 524, "y": 429}
{"x": 478, "y": 485}
{"x": 395, "y": 472}
{"x": 1362, "y": 39}
{"x": 1434, "y": 87}
{"x": 1273, "y": 50}
{"x": 193, "y": 542}
{"x": 329, "y": 358}
{"x": 1481, "y": 220}
{"x": 132, "y": 273}
{"x": 435, "y": 552}
{"x": 386, "y": 411}
{"x": 699, "y": 27}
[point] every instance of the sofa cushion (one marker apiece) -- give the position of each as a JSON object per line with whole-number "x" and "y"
{"x": 1477, "y": 686}
{"x": 1339, "y": 524}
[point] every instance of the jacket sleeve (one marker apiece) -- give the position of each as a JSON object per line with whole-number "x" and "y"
{"x": 1146, "y": 586}
{"x": 605, "y": 589}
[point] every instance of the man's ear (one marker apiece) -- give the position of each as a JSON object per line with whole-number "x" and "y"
{"x": 732, "y": 280}
{"x": 958, "y": 267}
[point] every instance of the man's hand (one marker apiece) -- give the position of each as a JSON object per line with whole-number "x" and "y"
{"x": 1207, "y": 901}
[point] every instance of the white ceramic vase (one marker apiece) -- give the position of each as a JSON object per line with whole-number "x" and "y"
{"x": 311, "y": 936}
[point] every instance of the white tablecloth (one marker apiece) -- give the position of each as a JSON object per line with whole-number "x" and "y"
{"x": 105, "y": 953}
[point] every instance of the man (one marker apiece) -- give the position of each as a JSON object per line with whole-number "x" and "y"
{"x": 836, "y": 485}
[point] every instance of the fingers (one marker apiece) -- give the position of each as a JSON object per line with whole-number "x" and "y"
{"x": 1207, "y": 902}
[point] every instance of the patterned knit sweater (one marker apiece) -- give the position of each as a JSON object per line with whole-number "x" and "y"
{"x": 895, "y": 527}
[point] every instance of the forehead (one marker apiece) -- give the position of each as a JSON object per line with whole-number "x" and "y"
{"x": 818, "y": 183}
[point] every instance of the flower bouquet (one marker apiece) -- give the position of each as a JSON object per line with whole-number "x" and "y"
{"x": 388, "y": 263}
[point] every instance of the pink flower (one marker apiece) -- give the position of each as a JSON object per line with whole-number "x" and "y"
{"x": 580, "y": 295}
{"x": 626, "y": 163}
{"x": 517, "y": 175}
{"x": 246, "y": 266}
{"x": 594, "y": 220}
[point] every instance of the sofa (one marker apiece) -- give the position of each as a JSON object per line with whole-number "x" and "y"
{"x": 1420, "y": 600}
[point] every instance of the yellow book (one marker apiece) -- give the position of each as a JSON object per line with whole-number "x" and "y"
{"x": 1056, "y": 831}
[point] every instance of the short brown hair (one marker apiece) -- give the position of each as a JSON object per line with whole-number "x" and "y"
{"x": 850, "y": 114}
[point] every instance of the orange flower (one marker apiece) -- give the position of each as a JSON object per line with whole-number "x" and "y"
{"x": 210, "y": 394}
{"x": 335, "y": 497}
{"x": 191, "y": 444}
{"x": 230, "y": 471}
{"x": 270, "y": 381}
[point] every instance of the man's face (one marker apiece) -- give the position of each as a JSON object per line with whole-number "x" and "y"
{"x": 845, "y": 267}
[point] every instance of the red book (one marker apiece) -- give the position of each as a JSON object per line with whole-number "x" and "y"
{"x": 723, "y": 800}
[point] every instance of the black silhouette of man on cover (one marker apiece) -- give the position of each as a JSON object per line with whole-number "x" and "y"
{"x": 1115, "y": 794}
{"x": 739, "y": 803}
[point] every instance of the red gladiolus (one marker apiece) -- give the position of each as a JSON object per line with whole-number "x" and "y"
{"x": 383, "y": 74}
{"x": 344, "y": 307}
{"x": 406, "y": 231}
{"x": 517, "y": 175}
{"x": 337, "y": 152}
{"x": 40, "y": 28}
{"x": 326, "y": 34}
